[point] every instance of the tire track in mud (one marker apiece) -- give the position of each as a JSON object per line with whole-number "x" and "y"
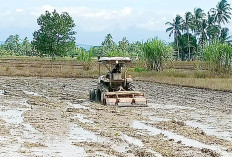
{"x": 59, "y": 110}
{"x": 116, "y": 126}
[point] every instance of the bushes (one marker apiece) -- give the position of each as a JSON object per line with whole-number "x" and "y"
{"x": 116, "y": 53}
{"x": 219, "y": 57}
{"x": 85, "y": 58}
{"x": 4, "y": 52}
{"x": 156, "y": 52}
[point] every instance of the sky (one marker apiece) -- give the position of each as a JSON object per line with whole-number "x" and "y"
{"x": 138, "y": 20}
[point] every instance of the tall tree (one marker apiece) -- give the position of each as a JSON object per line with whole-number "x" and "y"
{"x": 222, "y": 12}
{"x": 26, "y": 47}
{"x": 124, "y": 45}
{"x": 13, "y": 43}
{"x": 202, "y": 32}
{"x": 56, "y": 35}
{"x": 213, "y": 30}
{"x": 224, "y": 36}
{"x": 198, "y": 16}
{"x": 108, "y": 44}
{"x": 186, "y": 27}
{"x": 175, "y": 28}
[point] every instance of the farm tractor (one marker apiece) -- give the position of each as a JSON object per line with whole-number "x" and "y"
{"x": 115, "y": 88}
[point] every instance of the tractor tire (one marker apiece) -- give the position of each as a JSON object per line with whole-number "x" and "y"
{"x": 104, "y": 88}
{"x": 92, "y": 95}
{"x": 100, "y": 90}
{"x": 130, "y": 86}
{"x": 98, "y": 95}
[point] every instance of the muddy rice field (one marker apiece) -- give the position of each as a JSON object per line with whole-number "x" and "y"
{"x": 53, "y": 117}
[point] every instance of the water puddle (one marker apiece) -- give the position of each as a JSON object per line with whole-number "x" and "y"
{"x": 121, "y": 148}
{"x": 132, "y": 140}
{"x": 82, "y": 118}
{"x": 211, "y": 130}
{"x": 78, "y": 134}
{"x": 186, "y": 141}
{"x": 55, "y": 145}
{"x": 2, "y": 92}
{"x": 155, "y": 153}
{"x": 79, "y": 106}
{"x": 31, "y": 93}
{"x": 30, "y": 133}
{"x": 12, "y": 116}
{"x": 59, "y": 148}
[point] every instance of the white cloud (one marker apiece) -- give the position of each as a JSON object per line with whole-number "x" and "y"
{"x": 127, "y": 11}
{"x": 151, "y": 24}
{"x": 106, "y": 14}
{"x": 38, "y": 11}
{"x": 47, "y": 8}
{"x": 19, "y": 10}
{"x": 5, "y": 13}
{"x": 98, "y": 20}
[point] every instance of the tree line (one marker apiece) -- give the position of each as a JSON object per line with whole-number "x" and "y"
{"x": 197, "y": 36}
{"x": 196, "y": 30}
{"x": 16, "y": 46}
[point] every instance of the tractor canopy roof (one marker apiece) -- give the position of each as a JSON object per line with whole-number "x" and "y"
{"x": 114, "y": 60}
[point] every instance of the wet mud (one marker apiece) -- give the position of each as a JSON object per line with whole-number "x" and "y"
{"x": 53, "y": 117}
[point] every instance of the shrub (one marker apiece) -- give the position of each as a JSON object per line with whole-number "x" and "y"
{"x": 156, "y": 52}
{"x": 116, "y": 53}
{"x": 85, "y": 58}
{"x": 137, "y": 69}
{"x": 219, "y": 57}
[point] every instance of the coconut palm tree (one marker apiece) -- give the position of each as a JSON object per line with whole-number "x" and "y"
{"x": 203, "y": 32}
{"x": 198, "y": 16}
{"x": 175, "y": 28}
{"x": 186, "y": 27}
{"x": 224, "y": 36}
{"x": 222, "y": 12}
{"x": 213, "y": 29}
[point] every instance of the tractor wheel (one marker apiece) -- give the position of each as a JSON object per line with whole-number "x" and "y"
{"x": 92, "y": 95}
{"x": 98, "y": 95}
{"x": 101, "y": 89}
{"x": 104, "y": 89}
{"x": 130, "y": 86}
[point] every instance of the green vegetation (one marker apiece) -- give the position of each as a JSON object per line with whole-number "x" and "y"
{"x": 219, "y": 57}
{"x": 156, "y": 53}
{"x": 55, "y": 36}
{"x": 16, "y": 46}
{"x": 85, "y": 58}
{"x": 201, "y": 27}
{"x": 201, "y": 49}
{"x": 110, "y": 49}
